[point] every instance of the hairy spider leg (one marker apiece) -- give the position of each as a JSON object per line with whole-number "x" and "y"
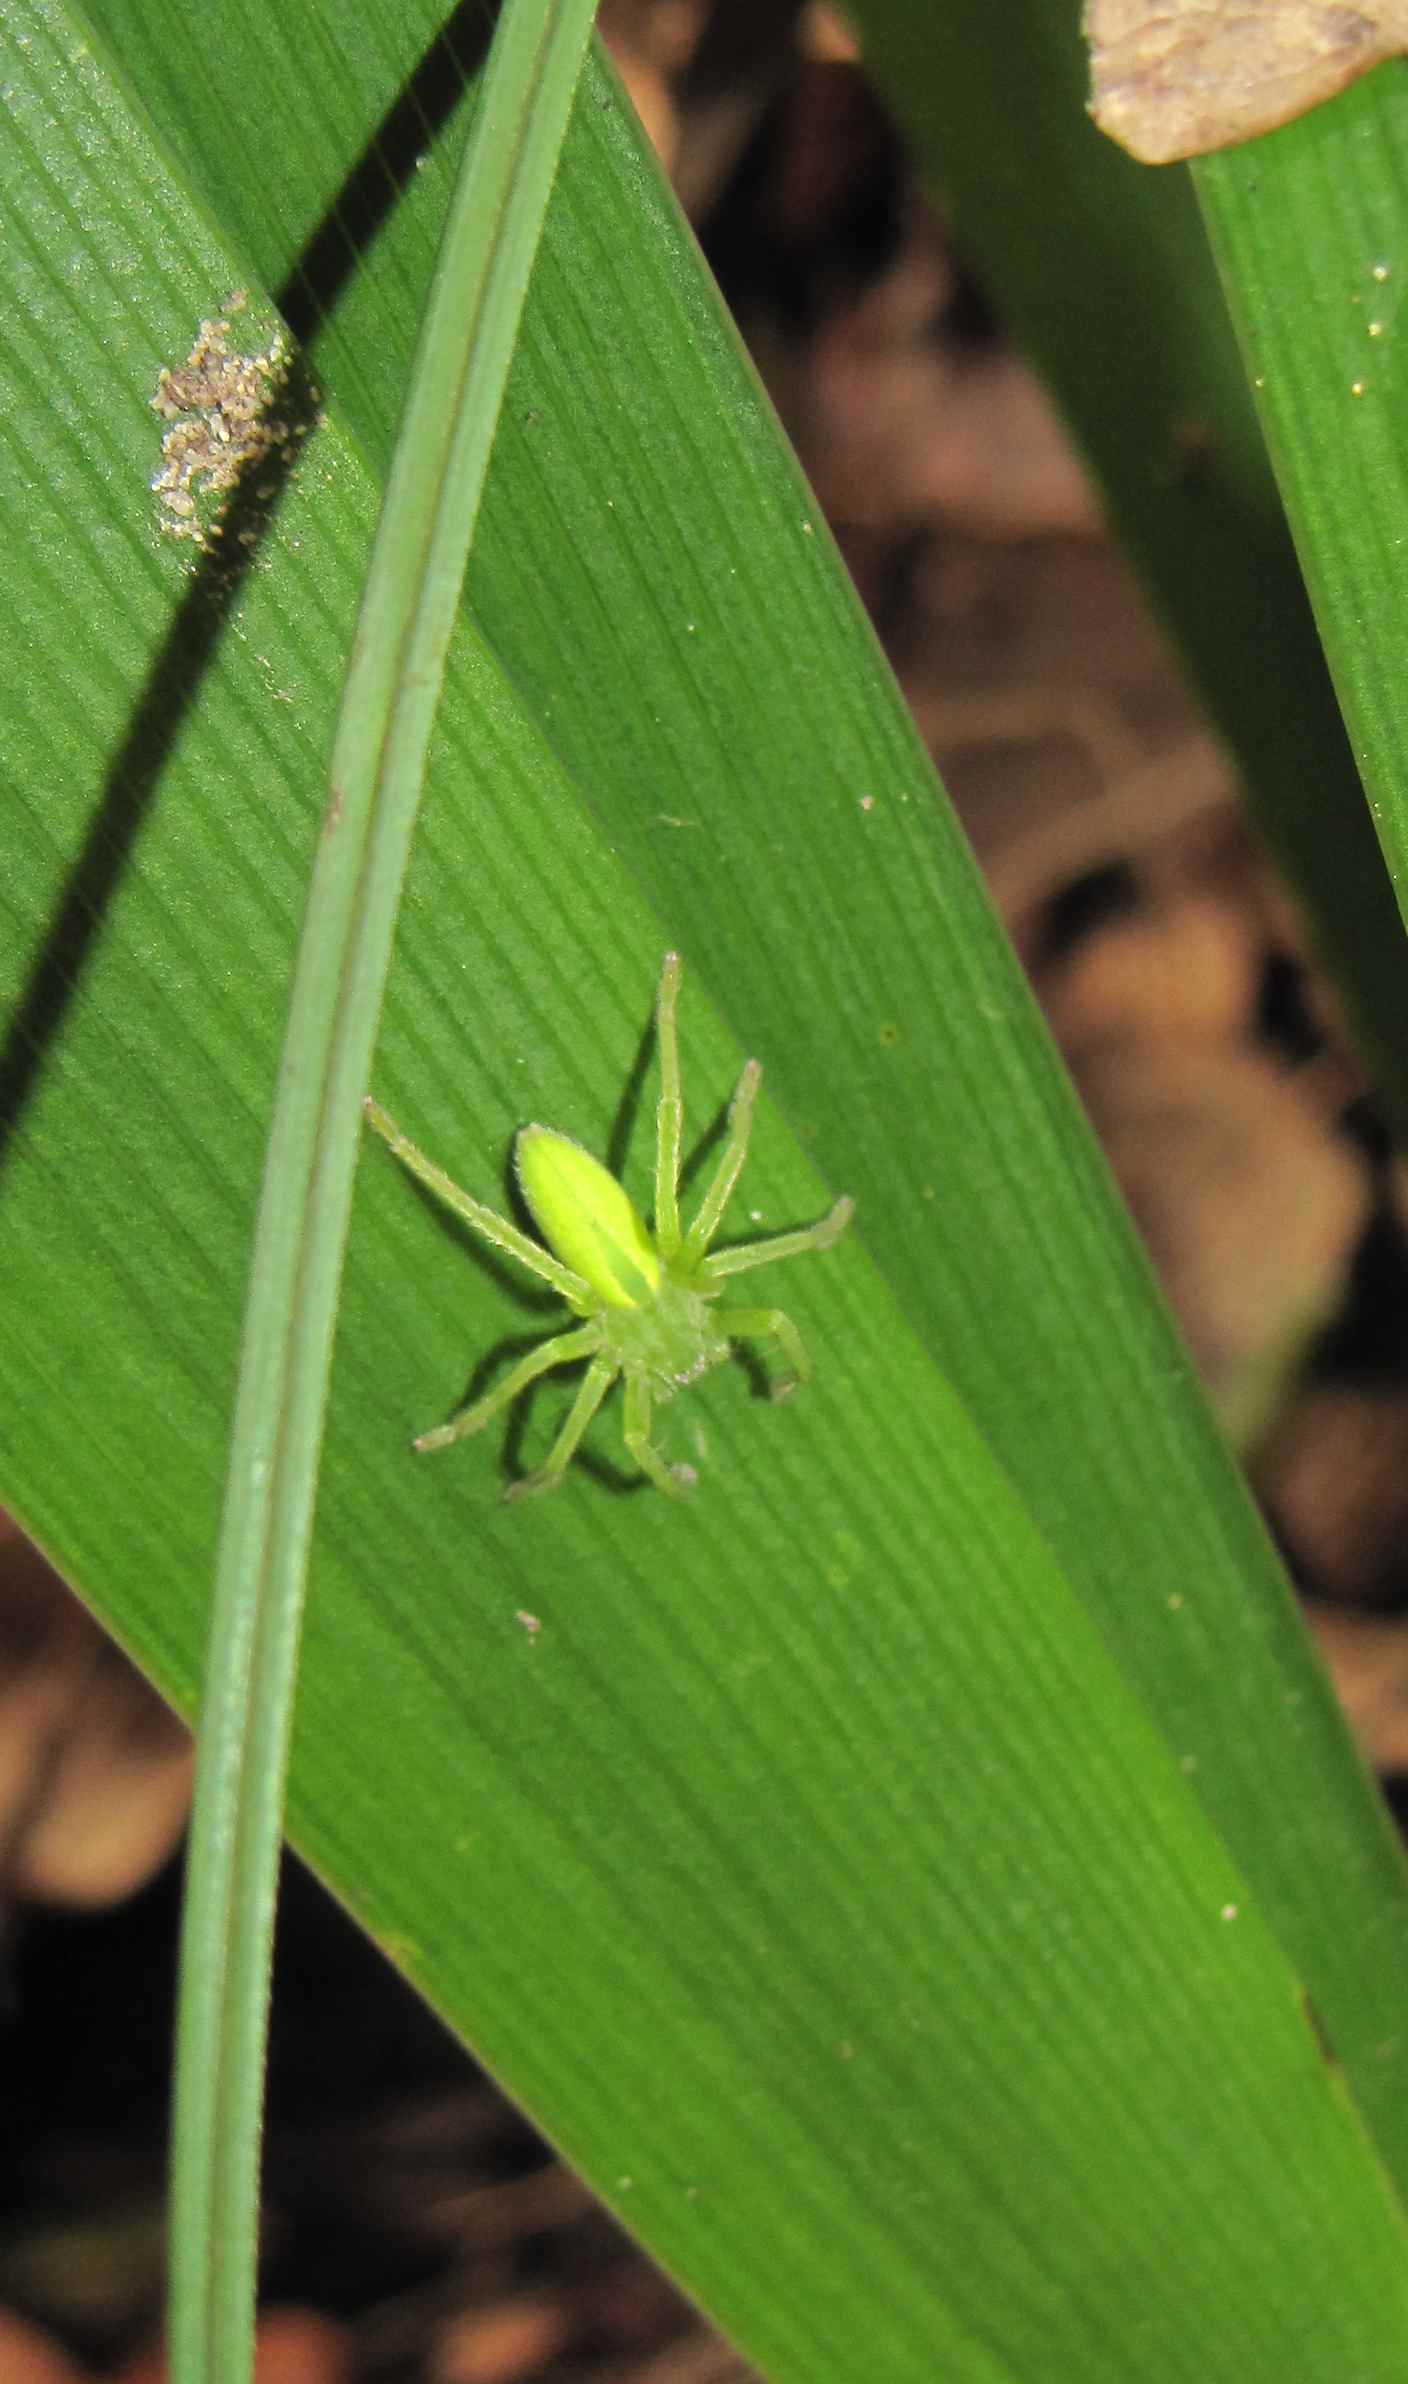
{"x": 595, "y": 1384}
{"x": 676, "y": 1480}
{"x": 730, "y": 1167}
{"x": 745, "y": 1255}
{"x": 582, "y": 1342}
{"x": 669, "y": 1113}
{"x": 770, "y": 1324}
{"x": 494, "y": 1228}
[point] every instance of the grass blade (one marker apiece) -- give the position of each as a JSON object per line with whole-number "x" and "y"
{"x": 1108, "y": 283}
{"x": 378, "y": 766}
{"x": 1310, "y": 229}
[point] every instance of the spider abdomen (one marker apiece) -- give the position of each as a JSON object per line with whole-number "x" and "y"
{"x": 586, "y": 1218}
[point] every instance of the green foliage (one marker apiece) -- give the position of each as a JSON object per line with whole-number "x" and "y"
{"x": 1136, "y": 343}
{"x": 897, "y": 1879}
{"x": 1309, "y": 227}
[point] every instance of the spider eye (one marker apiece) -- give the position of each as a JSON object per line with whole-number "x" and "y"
{"x": 585, "y": 1218}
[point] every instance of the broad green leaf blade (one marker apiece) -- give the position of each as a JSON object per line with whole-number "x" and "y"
{"x": 1102, "y": 271}
{"x": 392, "y": 690}
{"x": 1310, "y": 229}
{"x": 809, "y": 1869}
{"x": 651, "y": 571}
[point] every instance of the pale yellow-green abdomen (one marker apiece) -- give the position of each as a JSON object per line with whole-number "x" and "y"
{"x": 585, "y": 1218}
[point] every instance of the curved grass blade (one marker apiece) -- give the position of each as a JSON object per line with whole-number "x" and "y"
{"x": 392, "y": 688}
{"x": 1136, "y": 345}
{"x": 1309, "y": 226}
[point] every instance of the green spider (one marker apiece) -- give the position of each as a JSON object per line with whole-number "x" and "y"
{"x": 647, "y": 1300}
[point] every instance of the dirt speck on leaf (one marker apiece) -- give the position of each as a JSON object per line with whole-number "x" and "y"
{"x": 221, "y": 412}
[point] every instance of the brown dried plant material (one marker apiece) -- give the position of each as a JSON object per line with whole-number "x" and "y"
{"x": 1177, "y": 78}
{"x": 1186, "y": 968}
{"x": 294, "y": 2346}
{"x": 95, "y": 1771}
{"x": 221, "y": 410}
{"x": 1335, "y": 1479}
{"x": 507, "y": 2343}
{"x": 1366, "y": 1657}
{"x": 29, "y": 2356}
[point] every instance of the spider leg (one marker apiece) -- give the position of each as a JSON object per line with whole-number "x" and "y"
{"x": 676, "y": 1480}
{"x": 596, "y": 1382}
{"x": 669, "y": 1112}
{"x": 488, "y": 1222}
{"x": 770, "y": 1324}
{"x": 559, "y": 1351}
{"x": 730, "y": 1167}
{"x": 820, "y": 1236}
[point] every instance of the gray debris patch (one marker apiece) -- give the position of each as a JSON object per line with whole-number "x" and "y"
{"x": 221, "y": 412}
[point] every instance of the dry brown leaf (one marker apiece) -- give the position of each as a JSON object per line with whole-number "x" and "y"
{"x": 94, "y": 1769}
{"x": 28, "y": 2356}
{"x": 898, "y": 434}
{"x": 294, "y": 2347}
{"x": 503, "y": 2344}
{"x": 1177, "y": 78}
{"x": 1336, "y": 1481}
{"x": 1367, "y": 1659}
{"x": 1250, "y": 1210}
{"x": 1186, "y": 968}
{"x": 650, "y": 47}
